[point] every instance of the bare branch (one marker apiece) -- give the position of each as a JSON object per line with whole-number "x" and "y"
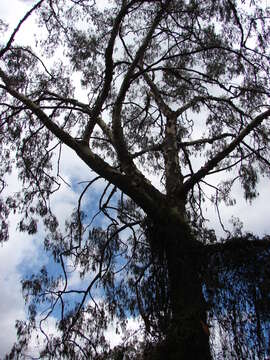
{"x": 136, "y": 187}
{"x": 157, "y": 147}
{"x": 204, "y": 170}
{"x": 205, "y": 140}
{"x": 121, "y": 148}
{"x": 15, "y": 31}
{"x": 109, "y": 65}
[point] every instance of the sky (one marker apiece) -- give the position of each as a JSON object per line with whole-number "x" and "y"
{"x": 24, "y": 253}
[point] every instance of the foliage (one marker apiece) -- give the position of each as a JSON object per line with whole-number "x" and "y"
{"x": 240, "y": 312}
{"x": 176, "y": 91}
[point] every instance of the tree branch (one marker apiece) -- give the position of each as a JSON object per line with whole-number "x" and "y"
{"x": 85, "y": 109}
{"x": 166, "y": 110}
{"x": 204, "y": 141}
{"x": 204, "y": 170}
{"x": 12, "y": 37}
{"x": 121, "y": 148}
{"x": 135, "y": 186}
{"x": 157, "y": 147}
{"x": 109, "y": 65}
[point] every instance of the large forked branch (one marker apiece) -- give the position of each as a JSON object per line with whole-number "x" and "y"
{"x": 141, "y": 191}
{"x": 120, "y": 145}
{"x": 95, "y": 112}
{"x": 173, "y": 173}
{"x": 12, "y": 37}
{"x": 205, "y": 140}
{"x": 184, "y": 144}
{"x": 84, "y": 108}
{"x": 204, "y": 170}
{"x": 167, "y": 111}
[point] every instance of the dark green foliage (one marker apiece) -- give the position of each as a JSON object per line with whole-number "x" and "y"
{"x": 175, "y": 92}
{"x": 238, "y": 294}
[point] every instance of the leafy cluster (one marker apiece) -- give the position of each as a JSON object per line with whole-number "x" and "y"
{"x": 166, "y": 100}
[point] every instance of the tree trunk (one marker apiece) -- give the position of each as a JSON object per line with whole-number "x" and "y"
{"x": 187, "y": 335}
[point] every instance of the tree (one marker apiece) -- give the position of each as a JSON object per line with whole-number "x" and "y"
{"x": 169, "y": 84}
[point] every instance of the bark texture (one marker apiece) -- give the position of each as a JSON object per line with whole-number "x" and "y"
{"x": 187, "y": 335}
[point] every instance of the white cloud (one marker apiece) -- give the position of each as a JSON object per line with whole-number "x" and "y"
{"x": 62, "y": 203}
{"x": 38, "y": 340}
{"x": 254, "y": 216}
{"x": 19, "y": 249}
{"x": 12, "y": 12}
{"x": 24, "y": 249}
{"x": 72, "y": 168}
{"x": 133, "y": 325}
{"x": 11, "y": 309}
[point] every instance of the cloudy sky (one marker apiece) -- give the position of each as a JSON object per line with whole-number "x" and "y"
{"x": 23, "y": 253}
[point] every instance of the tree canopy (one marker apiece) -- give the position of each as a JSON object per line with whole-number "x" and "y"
{"x": 167, "y": 103}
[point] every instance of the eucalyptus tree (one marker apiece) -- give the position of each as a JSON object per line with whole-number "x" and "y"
{"x": 177, "y": 95}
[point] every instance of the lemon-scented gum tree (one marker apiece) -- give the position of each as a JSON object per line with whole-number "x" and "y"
{"x": 168, "y": 82}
